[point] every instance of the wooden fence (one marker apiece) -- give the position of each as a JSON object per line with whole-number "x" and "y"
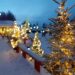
{"x": 38, "y": 60}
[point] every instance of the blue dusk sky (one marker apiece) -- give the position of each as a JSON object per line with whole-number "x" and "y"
{"x": 32, "y": 10}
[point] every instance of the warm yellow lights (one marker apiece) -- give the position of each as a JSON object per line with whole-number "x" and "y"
{"x": 66, "y": 40}
{"x": 25, "y": 28}
{"x": 67, "y": 34}
{"x": 66, "y": 51}
{"x": 62, "y": 44}
{"x": 14, "y": 43}
{"x": 21, "y": 52}
{"x": 63, "y": 39}
{"x": 69, "y": 40}
{"x": 70, "y": 73}
{"x": 68, "y": 24}
{"x": 16, "y": 32}
{"x": 36, "y": 47}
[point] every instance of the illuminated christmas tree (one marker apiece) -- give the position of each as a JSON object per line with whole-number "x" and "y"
{"x": 16, "y": 31}
{"x": 62, "y": 43}
{"x": 63, "y": 33}
{"x": 36, "y": 47}
{"x": 15, "y": 35}
{"x": 25, "y": 29}
{"x": 67, "y": 40}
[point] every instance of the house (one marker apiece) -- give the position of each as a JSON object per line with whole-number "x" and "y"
{"x": 6, "y": 27}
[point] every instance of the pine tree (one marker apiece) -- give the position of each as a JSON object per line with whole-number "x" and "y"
{"x": 25, "y": 29}
{"x": 16, "y": 31}
{"x": 60, "y": 61}
{"x": 36, "y": 47}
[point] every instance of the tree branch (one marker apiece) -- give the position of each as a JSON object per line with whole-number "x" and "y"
{"x": 68, "y": 9}
{"x": 56, "y": 1}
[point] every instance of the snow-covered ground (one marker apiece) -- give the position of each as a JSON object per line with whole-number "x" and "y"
{"x": 12, "y": 63}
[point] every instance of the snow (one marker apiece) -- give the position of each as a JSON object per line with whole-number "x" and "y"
{"x": 4, "y": 23}
{"x": 12, "y": 63}
{"x": 35, "y": 56}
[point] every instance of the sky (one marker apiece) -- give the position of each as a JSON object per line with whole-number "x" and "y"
{"x": 36, "y": 11}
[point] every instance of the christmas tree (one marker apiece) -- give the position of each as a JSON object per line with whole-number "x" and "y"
{"x": 16, "y": 31}
{"x": 61, "y": 60}
{"x": 25, "y": 29}
{"x": 15, "y": 36}
{"x": 36, "y": 47}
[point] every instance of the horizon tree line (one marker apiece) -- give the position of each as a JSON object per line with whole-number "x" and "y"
{"x": 7, "y": 16}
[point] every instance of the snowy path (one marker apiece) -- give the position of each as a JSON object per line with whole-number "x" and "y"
{"x": 12, "y": 63}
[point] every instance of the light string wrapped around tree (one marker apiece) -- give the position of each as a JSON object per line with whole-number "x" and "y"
{"x": 61, "y": 61}
{"x": 36, "y": 46}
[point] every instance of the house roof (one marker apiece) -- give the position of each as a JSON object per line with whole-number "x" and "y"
{"x": 6, "y": 23}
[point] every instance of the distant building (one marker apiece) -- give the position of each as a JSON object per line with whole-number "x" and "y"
{"x": 6, "y": 27}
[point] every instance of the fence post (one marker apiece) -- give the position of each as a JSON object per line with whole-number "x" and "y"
{"x": 17, "y": 49}
{"x": 37, "y": 65}
{"x": 24, "y": 54}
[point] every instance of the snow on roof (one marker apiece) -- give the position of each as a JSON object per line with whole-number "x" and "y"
{"x": 8, "y": 23}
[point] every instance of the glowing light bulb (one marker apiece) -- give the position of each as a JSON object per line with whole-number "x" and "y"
{"x": 30, "y": 27}
{"x": 43, "y": 31}
{"x": 37, "y": 27}
{"x": 68, "y": 24}
{"x": 21, "y": 52}
{"x": 28, "y": 48}
{"x": 43, "y": 52}
{"x": 34, "y": 27}
{"x": 0, "y": 14}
